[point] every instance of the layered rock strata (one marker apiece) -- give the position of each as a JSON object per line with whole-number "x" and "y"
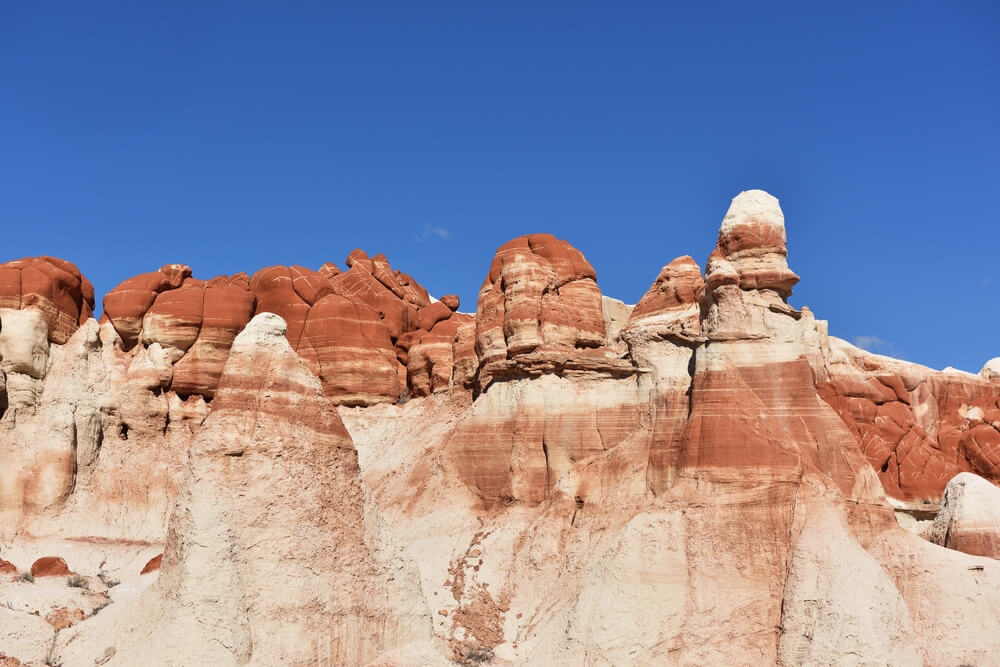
{"x": 346, "y": 324}
{"x": 232, "y": 590}
{"x": 330, "y": 467}
{"x": 54, "y": 287}
{"x": 969, "y": 520}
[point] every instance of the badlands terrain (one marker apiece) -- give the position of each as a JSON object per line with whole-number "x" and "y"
{"x": 330, "y": 467}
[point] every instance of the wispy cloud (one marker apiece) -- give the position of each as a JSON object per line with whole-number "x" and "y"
{"x": 878, "y": 346}
{"x": 432, "y": 233}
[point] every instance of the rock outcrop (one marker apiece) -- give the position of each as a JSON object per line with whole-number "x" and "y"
{"x": 917, "y": 427}
{"x": 232, "y": 589}
{"x": 969, "y": 520}
{"x": 539, "y": 308}
{"x": 346, "y": 324}
{"x": 55, "y": 287}
{"x": 330, "y": 467}
{"x": 751, "y": 251}
{"x": 991, "y": 370}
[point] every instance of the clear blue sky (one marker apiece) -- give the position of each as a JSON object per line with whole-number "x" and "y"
{"x": 231, "y": 136}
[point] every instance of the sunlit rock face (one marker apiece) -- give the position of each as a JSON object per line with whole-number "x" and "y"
{"x": 353, "y": 327}
{"x": 55, "y": 287}
{"x": 330, "y": 466}
{"x": 969, "y": 519}
{"x": 917, "y": 427}
{"x": 232, "y": 588}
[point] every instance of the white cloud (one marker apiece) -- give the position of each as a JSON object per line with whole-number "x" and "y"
{"x": 877, "y": 345}
{"x": 433, "y": 232}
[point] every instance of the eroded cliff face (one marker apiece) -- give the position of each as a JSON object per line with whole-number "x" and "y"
{"x": 331, "y": 467}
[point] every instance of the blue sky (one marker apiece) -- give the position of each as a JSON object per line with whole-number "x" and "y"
{"x": 231, "y": 136}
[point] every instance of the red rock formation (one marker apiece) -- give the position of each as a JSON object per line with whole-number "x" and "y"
{"x": 540, "y": 315}
{"x": 228, "y": 305}
{"x": 671, "y": 303}
{"x": 752, "y": 239}
{"x": 273, "y": 453}
{"x": 431, "y": 356}
{"x": 349, "y": 348}
{"x": 402, "y": 285}
{"x": 50, "y": 566}
{"x": 126, "y": 305}
{"x": 7, "y": 567}
{"x": 660, "y": 333}
{"x": 153, "y": 565}
{"x": 521, "y": 437}
{"x": 464, "y": 355}
{"x": 540, "y": 311}
{"x": 54, "y": 286}
{"x": 194, "y": 322}
{"x": 329, "y": 269}
{"x": 174, "y": 319}
{"x": 917, "y": 427}
{"x": 539, "y": 291}
{"x": 361, "y": 286}
{"x": 274, "y": 287}
{"x": 430, "y": 315}
{"x": 755, "y": 414}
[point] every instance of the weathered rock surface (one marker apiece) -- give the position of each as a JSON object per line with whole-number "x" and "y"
{"x": 822, "y": 614}
{"x": 349, "y": 341}
{"x": 540, "y": 298}
{"x": 969, "y": 520}
{"x": 50, "y": 566}
{"x": 54, "y": 286}
{"x": 917, "y": 427}
{"x": 126, "y": 305}
{"x": 670, "y": 307}
{"x": 325, "y": 587}
{"x": 952, "y": 597}
{"x": 991, "y": 370}
{"x": 330, "y": 467}
{"x": 751, "y": 245}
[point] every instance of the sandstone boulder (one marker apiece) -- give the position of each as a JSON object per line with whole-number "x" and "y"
{"x": 54, "y": 286}
{"x": 991, "y": 370}
{"x": 431, "y": 357}
{"x": 228, "y": 305}
{"x": 969, "y": 520}
{"x": 126, "y": 305}
{"x": 192, "y": 323}
{"x": 50, "y": 566}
